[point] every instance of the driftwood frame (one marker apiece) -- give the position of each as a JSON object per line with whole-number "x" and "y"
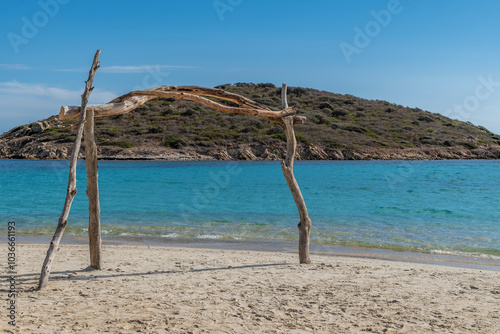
{"x": 128, "y": 102}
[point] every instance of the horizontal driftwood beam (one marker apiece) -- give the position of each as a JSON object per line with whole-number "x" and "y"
{"x": 135, "y": 99}
{"x": 217, "y": 106}
{"x": 203, "y": 91}
{"x": 109, "y": 109}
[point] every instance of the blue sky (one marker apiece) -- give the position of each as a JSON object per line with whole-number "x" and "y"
{"x": 441, "y": 56}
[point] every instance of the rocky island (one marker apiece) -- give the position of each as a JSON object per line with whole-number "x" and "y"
{"x": 338, "y": 127}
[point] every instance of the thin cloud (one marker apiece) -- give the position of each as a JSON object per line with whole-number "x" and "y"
{"x": 130, "y": 69}
{"x": 14, "y": 67}
{"x": 22, "y": 103}
{"x": 39, "y": 91}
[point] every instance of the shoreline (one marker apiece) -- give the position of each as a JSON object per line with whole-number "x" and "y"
{"x": 186, "y": 158}
{"x": 449, "y": 260}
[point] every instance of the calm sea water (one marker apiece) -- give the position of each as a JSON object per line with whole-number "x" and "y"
{"x": 433, "y": 206}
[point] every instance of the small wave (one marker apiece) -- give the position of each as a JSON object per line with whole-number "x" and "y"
{"x": 208, "y": 236}
{"x": 465, "y": 254}
{"x": 170, "y": 235}
{"x": 86, "y": 230}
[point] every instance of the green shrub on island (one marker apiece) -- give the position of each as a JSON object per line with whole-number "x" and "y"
{"x": 174, "y": 142}
{"x": 121, "y": 143}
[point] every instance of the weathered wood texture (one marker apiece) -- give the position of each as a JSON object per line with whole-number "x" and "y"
{"x": 203, "y": 91}
{"x": 135, "y": 99}
{"x": 304, "y": 225}
{"x": 71, "y": 190}
{"x": 92, "y": 189}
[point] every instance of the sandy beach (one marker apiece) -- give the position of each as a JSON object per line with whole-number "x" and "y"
{"x": 146, "y": 289}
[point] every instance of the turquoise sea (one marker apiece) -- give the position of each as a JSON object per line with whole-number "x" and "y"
{"x": 443, "y": 207}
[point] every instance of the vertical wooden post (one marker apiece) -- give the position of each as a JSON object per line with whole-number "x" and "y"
{"x": 71, "y": 190}
{"x": 93, "y": 191}
{"x": 304, "y": 225}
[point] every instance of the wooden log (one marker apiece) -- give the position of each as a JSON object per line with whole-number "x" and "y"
{"x": 109, "y": 109}
{"x": 135, "y": 99}
{"x": 304, "y": 225}
{"x": 138, "y": 98}
{"x": 204, "y": 91}
{"x": 217, "y": 106}
{"x": 92, "y": 191}
{"x": 71, "y": 189}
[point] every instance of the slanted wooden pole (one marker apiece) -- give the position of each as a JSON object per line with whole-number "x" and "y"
{"x": 92, "y": 184}
{"x": 287, "y": 167}
{"x": 71, "y": 190}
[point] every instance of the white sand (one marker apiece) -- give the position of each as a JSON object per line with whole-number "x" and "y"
{"x": 182, "y": 290}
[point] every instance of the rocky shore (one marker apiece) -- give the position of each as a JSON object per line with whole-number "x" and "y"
{"x": 27, "y": 142}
